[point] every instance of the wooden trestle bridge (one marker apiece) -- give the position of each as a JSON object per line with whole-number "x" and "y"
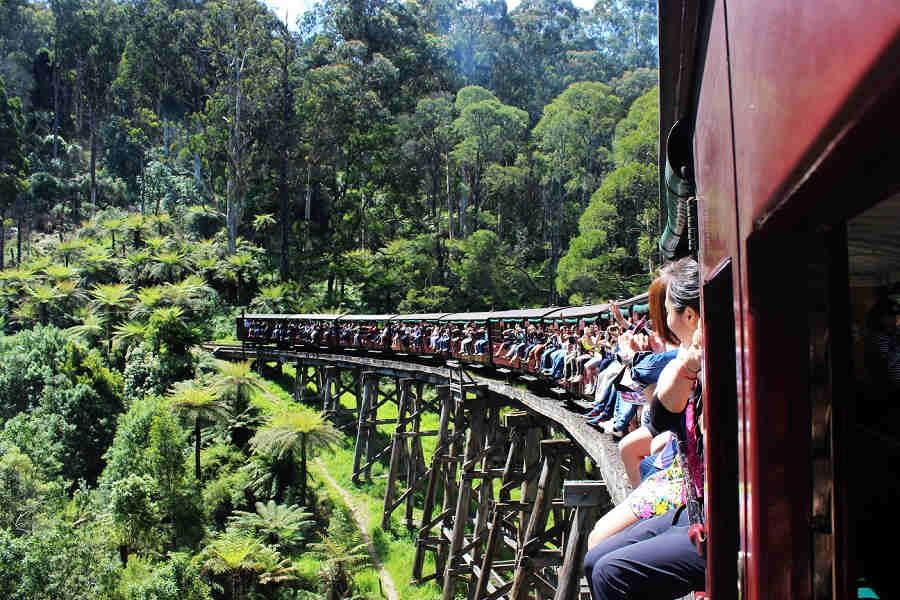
{"x": 512, "y": 489}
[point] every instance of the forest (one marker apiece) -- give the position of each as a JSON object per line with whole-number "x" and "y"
{"x": 168, "y": 164}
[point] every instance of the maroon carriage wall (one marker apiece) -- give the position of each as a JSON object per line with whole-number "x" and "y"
{"x": 781, "y": 94}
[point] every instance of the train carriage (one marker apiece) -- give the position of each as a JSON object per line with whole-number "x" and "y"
{"x": 461, "y": 331}
{"x": 310, "y": 331}
{"x": 414, "y": 334}
{"x": 366, "y": 332}
{"x": 503, "y": 330}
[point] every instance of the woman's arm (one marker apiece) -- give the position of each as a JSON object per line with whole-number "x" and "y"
{"x": 677, "y": 380}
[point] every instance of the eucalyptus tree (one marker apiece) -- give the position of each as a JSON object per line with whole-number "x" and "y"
{"x": 488, "y": 132}
{"x": 429, "y": 137}
{"x": 238, "y": 38}
{"x": 94, "y": 36}
{"x": 573, "y": 148}
{"x": 14, "y": 163}
{"x": 616, "y": 232}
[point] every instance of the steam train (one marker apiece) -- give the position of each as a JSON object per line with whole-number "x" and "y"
{"x": 475, "y": 339}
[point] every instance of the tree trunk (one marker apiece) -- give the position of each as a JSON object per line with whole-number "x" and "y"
{"x": 302, "y": 469}
{"x": 143, "y": 189}
{"x": 19, "y": 242}
{"x": 19, "y": 223}
{"x": 231, "y": 214}
{"x": 287, "y": 105}
{"x": 3, "y": 241}
{"x": 435, "y": 187}
{"x": 330, "y": 291}
{"x": 93, "y": 160}
{"x": 197, "y": 447}
{"x": 234, "y": 176}
{"x": 449, "y": 203}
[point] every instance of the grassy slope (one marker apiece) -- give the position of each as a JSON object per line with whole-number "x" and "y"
{"x": 396, "y": 548}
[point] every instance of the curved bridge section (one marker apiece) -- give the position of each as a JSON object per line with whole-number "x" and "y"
{"x": 504, "y": 503}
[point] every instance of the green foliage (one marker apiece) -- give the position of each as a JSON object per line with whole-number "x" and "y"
{"x": 279, "y": 525}
{"x": 23, "y": 492}
{"x": 135, "y": 511}
{"x": 59, "y": 560}
{"x": 128, "y": 454}
{"x": 45, "y": 369}
{"x": 341, "y": 554}
{"x": 477, "y": 265}
{"x": 12, "y": 167}
{"x": 245, "y": 563}
{"x": 615, "y": 251}
{"x": 178, "y": 578}
{"x": 143, "y": 374}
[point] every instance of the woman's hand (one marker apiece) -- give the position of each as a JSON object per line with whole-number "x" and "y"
{"x": 693, "y": 354}
{"x": 657, "y": 346}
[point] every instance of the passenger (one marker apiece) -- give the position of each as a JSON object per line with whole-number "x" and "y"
{"x": 468, "y": 338}
{"x": 509, "y": 337}
{"x": 553, "y": 344}
{"x": 519, "y": 342}
{"x": 588, "y": 344}
{"x": 657, "y": 557}
{"x": 482, "y": 341}
{"x": 444, "y": 340}
{"x": 637, "y": 444}
{"x": 534, "y": 354}
{"x": 558, "y": 356}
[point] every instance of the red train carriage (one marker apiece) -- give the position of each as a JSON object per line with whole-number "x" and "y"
{"x": 463, "y": 330}
{"x": 787, "y": 157}
{"x": 512, "y": 333}
{"x": 312, "y": 331}
{"x": 366, "y": 332}
{"x": 415, "y": 333}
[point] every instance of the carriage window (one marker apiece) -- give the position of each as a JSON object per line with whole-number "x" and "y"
{"x": 873, "y": 450}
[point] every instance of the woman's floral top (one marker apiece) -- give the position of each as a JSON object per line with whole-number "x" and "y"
{"x": 659, "y": 493}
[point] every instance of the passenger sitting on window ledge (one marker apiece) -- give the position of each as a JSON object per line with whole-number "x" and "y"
{"x": 657, "y": 557}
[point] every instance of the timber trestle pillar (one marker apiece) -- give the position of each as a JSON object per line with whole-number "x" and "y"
{"x": 407, "y": 463}
{"x": 373, "y": 397}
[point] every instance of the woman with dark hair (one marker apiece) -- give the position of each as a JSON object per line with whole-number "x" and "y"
{"x": 657, "y": 557}
{"x": 639, "y": 443}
